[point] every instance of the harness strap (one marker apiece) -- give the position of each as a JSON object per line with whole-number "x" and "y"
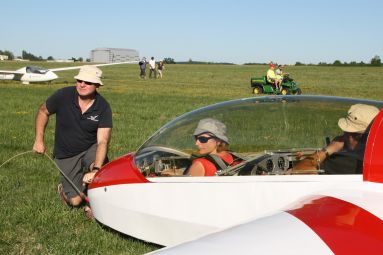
{"x": 217, "y": 161}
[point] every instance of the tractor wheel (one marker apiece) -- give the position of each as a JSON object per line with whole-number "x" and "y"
{"x": 285, "y": 92}
{"x": 257, "y": 90}
{"x": 299, "y": 91}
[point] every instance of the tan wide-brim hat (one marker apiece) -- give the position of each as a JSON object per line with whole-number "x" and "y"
{"x": 90, "y": 74}
{"x": 212, "y": 126}
{"x": 358, "y": 118}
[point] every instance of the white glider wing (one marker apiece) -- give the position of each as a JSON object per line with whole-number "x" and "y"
{"x": 78, "y": 67}
{"x": 39, "y": 74}
{"x": 11, "y": 72}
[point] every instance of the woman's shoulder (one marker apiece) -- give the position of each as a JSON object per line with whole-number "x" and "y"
{"x": 208, "y": 166}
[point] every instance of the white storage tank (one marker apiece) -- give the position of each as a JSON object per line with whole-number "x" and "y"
{"x": 113, "y": 55}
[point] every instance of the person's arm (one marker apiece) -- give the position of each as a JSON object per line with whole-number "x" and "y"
{"x": 314, "y": 160}
{"x": 336, "y": 145}
{"x": 103, "y": 139}
{"x": 42, "y": 118}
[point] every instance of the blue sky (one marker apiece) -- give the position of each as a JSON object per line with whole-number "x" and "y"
{"x": 238, "y": 31}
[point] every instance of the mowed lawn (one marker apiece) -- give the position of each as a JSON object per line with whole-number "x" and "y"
{"x": 34, "y": 221}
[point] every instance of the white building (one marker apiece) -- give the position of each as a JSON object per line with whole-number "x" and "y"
{"x": 113, "y": 55}
{"x": 3, "y": 57}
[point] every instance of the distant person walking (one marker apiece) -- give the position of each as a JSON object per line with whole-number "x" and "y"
{"x": 160, "y": 67}
{"x": 152, "y": 66}
{"x": 142, "y": 65}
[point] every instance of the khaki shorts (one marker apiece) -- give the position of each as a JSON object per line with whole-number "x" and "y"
{"x": 74, "y": 168}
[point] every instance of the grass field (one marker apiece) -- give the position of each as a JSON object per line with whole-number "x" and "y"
{"x": 33, "y": 220}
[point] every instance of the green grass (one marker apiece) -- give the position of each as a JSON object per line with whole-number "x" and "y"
{"x": 33, "y": 220}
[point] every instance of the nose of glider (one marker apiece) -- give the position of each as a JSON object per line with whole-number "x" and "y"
{"x": 119, "y": 171}
{"x": 51, "y": 75}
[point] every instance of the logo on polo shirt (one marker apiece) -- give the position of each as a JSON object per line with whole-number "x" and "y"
{"x": 93, "y": 118}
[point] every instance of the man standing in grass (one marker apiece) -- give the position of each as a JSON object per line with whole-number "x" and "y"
{"x": 152, "y": 67}
{"x": 142, "y": 65}
{"x": 82, "y": 134}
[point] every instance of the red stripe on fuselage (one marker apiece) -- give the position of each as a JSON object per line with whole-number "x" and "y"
{"x": 343, "y": 226}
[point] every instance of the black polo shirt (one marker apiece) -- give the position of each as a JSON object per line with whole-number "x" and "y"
{"x": 76, "y": 132}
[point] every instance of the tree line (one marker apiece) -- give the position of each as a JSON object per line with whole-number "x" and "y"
{"x": 375, "y": 61}
{"x": 29, "y": 56}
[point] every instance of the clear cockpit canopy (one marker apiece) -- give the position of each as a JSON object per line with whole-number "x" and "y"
{"x": 258, "y": 125}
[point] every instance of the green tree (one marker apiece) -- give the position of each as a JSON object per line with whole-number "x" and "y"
{"x": 7, "y": 53}
{"x": 337, "y": 63}
{"x": 376, "y": 61}
{"x": 169, "y": 61}
{"x": 30, "y": 56}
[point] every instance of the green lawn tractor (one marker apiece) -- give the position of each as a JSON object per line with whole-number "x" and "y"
{"x": 260, "y": 85}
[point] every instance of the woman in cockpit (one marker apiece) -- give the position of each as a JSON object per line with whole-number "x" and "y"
{"x": 212, "y": 142}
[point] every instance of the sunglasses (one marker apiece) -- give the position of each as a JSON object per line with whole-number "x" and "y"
{"x": 87, "y": 82}
{"x": 203, "y": 139}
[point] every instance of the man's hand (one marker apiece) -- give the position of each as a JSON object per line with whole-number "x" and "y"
{"x": 39, "y": 147}
{"x": 88, "y": 177}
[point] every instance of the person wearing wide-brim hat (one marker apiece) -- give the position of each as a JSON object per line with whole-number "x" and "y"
{"x": 211, "y": 140}
{"x": 82, "y": 134}
{"x": 355, "y": 126}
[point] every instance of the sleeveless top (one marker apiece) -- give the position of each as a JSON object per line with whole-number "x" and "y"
{"x": 210, "y": 168}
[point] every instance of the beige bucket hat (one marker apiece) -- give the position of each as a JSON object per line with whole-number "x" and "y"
{"x": 90, "y": 74}
{"x": 212, "y": 126}
{"x": 358, "y": 118}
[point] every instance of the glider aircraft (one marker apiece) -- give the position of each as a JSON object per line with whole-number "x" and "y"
{"x": 260, "y": 205}
{"x": 39, "y": 74}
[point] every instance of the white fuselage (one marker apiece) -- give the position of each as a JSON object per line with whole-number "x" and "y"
{"x": 34, "y": 77}
{"x": 173, "y": 210}
{"x": 42, "y": 76}
{"x": 284, "y": 233}
{"x": 28, "y": 74}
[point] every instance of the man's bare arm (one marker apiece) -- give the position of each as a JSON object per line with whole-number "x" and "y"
{"x": 103, "y": 139}
{"x": 42, "y": 118}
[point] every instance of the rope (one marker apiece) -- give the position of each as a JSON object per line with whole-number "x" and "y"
{"x": 67, "y": 178}
{"x": 15, "y": 157}
{"x": 82, "y": 195}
